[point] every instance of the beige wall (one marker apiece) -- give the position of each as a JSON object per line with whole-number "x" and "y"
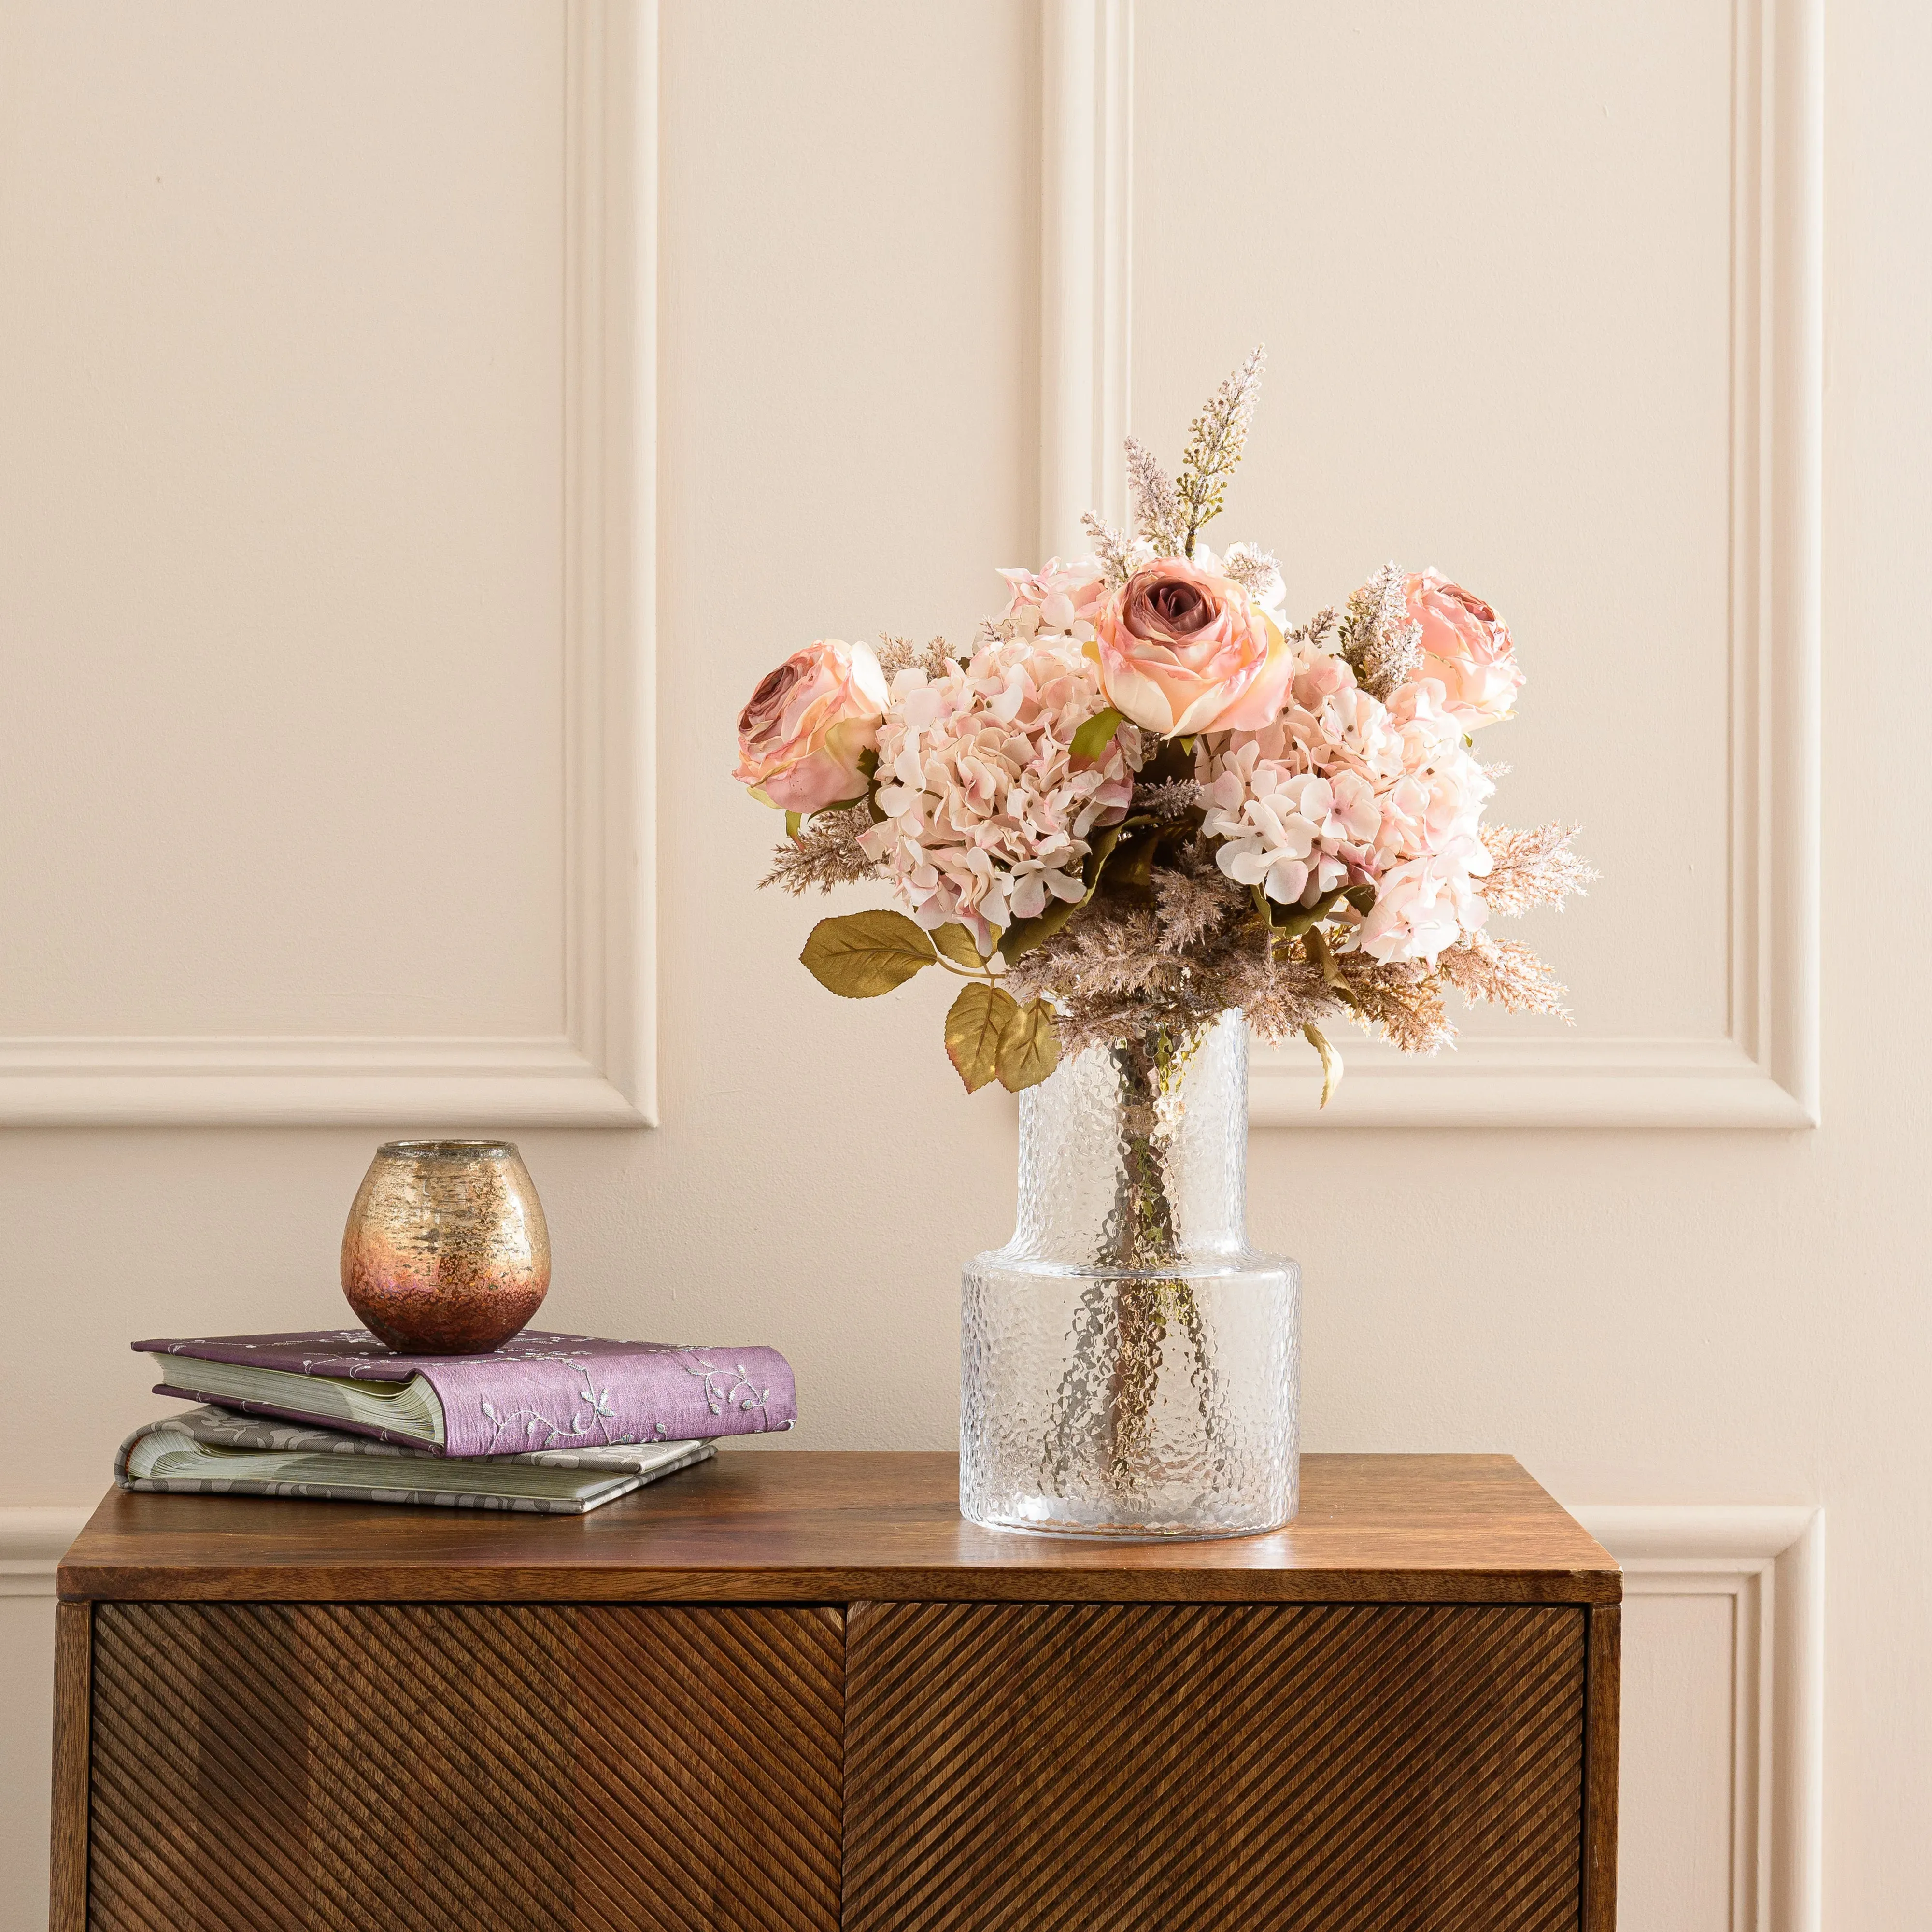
{"x": 286, "y": 750}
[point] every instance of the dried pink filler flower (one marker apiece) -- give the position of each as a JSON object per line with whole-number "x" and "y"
{"x": 988, "y": 813}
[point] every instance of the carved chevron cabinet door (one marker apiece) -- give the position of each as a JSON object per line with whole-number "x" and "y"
{"x": 1107, "y": 1766}
{"x": 340, "y": 1768}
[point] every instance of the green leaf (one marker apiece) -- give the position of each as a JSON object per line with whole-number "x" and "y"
{"x": 974, "y": 1028}
{"x": 1024, "y": 934}
{"x": 1029, "y": 1047}
{"x": 1097, "y": 734}
{"x": 1315, "y": 943}
{"x": 1295, "y": 920}
{"x": 1331, "y": 1061}
{"x": 957, "y": 944}
{"x": 793, "y": 821}
{"x": 866, "y": 953}
{"x": 1362, "y": 897}
{"x": 1321, "y": 955}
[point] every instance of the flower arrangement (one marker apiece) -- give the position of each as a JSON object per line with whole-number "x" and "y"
{"x": 1140, "y": 798}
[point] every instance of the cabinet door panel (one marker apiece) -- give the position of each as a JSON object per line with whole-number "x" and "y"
{"x": 498, "y": 1768}
{"x": 1103, "y": 1767}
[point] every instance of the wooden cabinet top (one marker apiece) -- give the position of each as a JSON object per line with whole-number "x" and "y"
{"x": 791, "y": 1525}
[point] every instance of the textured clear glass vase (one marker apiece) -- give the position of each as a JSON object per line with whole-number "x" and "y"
{"x": 1129, "y": 1365}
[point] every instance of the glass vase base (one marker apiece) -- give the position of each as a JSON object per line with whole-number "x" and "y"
{"x": 1129, "y": 1407}
{"x": 1128, "y": 1532}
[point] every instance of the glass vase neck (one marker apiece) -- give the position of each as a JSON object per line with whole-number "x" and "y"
{"x": 1133, "y": 1155}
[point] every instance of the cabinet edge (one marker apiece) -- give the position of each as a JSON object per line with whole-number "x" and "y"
{"x": 1602, "y": 1680}
{"x": 73, "y": 1671}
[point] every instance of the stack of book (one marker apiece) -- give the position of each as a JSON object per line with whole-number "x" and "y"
{"x": 558, "y": 1424}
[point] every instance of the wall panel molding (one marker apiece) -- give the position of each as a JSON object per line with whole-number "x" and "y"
{"x": 1763, "y": 1073}
{"x": 1086, "y": 265}
{"x": 601, "y": 1070}
{"x": 1769, "y": 1561}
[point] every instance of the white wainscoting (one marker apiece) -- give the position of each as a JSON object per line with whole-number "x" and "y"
{"x": 601, "y": 1070}
{"x": 1722, "y": 1810}
{"x": 1763, "y": 1072}
{"x": 1723, "y": 1734}
{"x": 32, "y": 1541}
{"x": 1086, "y": 266}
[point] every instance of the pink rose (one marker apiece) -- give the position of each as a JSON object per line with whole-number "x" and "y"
{"x": 801, "y": 737}
{"x": 1067, "y": 596}
{"x": 1181, "y": 652}
{"x": 1466, "y": 648}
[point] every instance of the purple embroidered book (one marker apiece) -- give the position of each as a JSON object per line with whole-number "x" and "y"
{"x": 537, "y": 1391}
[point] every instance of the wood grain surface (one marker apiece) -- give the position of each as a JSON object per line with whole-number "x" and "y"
{"x": 73, "y": 1669}
{"x": 1121, "y": 1768}
{"x": 274, "y": 1768}
{"x": 787, "y": 1525}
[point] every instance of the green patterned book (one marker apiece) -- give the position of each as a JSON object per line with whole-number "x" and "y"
{"x": 212, "y": 1452}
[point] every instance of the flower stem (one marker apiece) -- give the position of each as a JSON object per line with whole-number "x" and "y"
{"x": 1106, "y": 1405}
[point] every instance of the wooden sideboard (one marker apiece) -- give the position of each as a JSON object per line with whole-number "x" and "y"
{"x": 787, "y": 1690}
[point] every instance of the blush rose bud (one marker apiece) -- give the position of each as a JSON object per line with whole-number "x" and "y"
{"x": 1182, "y": 651}
{"x": 1466, "y": 648}
{"x": 809, "y": 724}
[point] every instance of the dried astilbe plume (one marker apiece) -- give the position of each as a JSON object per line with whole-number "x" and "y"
{"x": 1403, "y": 997}
{"x": 1381, "y": 642}
{"x": 1215, "y": 441}
{"x": 1532, "y": 868}
{"x": 1197, "y": 950}
{"x": 1157, "y": 512}
{"x": 825, "y": 854}
{"x": 895, "y": 653}
{"x": 1196, "y": 901}
{"x": 1503, "y": 972}
{"x": 898, "y": 654}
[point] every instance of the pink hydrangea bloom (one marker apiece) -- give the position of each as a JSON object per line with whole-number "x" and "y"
{"x": 988, "y": 815}
{"x": 1061, "y": 600}
{"x": 1342, "y": 790}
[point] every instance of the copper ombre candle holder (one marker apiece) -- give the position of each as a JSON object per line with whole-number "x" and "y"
{"x": 446, "y": 1252}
